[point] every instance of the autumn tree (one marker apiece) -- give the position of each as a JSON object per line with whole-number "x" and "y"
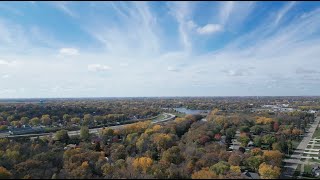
{"x": 75, "y": 120}
{"x": 235, "y": 169}
{"x": 163, "y": 141}
{"x": 173, "y": 155}
{"x": 45, "y": 119}
{"x": 268, "y": 171}
{"x": 273, "y": 157}
{"x": 204, "y": 173}
{"x": 144, "y": 164}
{"x": 235, "y": 159}
{"x": 4, "y": 173}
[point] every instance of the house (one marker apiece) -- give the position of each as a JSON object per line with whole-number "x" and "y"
{"x": 250, "y": 175}
{"x": 70, "y": 146}
{"x": 251, "y": 144}
{"x": 316, "y": 171}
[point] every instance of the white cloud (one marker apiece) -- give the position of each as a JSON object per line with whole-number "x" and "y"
{"x": 7, "y": 63}
{"x": 5, "y": 76}
{"x": 209, "y": 29}
{"x": 170, "y": 68}
{"x": 3, "y": 62}
{"x": 98, "y": 67}
{"x": 69, "y": 51}
{"x": 124, "y": 64}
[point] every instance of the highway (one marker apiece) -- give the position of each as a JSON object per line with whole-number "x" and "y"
{"x": 167, "y": 117}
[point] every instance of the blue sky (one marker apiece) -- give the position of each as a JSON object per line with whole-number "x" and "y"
{"x": 110, "y": 49}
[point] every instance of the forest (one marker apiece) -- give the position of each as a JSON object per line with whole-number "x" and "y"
{"x": 187, "y": 147}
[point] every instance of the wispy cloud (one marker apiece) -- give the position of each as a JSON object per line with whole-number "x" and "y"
{"x": 170, "y": 68}
{"x": 5, "y": 76}
{"x": 283, "y": 11}
{"x": 98, "y": 67}
{"x": 225, "y": 11}
{"x": 8, "y": 63}
{"x": 63, "y": 6}
{"x": 182, "y": 11}
{"x": 69, "y": 51}
{"x": 124, "y": 64}
{"x": 135, "y": 32}
{"x": 231, "y": 53}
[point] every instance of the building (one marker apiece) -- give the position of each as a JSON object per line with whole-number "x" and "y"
{"x": 250, "y": 175}
{"x": 316, "y": 171}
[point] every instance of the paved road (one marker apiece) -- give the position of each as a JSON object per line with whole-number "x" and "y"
{"x": 294, "y": 160}
{"x": 167, "y": 117}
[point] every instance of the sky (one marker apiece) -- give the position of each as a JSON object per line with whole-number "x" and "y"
{"x": 130, "y": 49}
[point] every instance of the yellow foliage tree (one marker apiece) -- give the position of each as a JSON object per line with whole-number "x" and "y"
{"x": 235, "y": 169}
{"x": 296, "y": 132}
{"x": 268, "y": 171}
{"x": 163, "y": 141}
{"x": 85, "y": 165}
{"x": 136, "y": 127}
{"x": 143, "y": 163}
{"x": 256, "y": 151}
{"x": 204, "y": 173}
{"x": 264, "y": 120}
{"x": 273, "y": 157}
{"x": 157, "y": 127}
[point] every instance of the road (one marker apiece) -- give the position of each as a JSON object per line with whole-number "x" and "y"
{"x": 167, "y": 117}
{"x": 294, "y": 160}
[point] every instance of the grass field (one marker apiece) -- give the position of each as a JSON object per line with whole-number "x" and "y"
{"x": 311, "y": 155}
{"x": 179, "y": 114}
{"x": 315, "y": 160}
{"x": 316, "y": 133}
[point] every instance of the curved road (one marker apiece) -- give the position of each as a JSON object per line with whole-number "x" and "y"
{"x": 167, "y": 117}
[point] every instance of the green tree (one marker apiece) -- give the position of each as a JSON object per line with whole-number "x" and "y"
{"x": 62, "y": 136}
{"x": 257, "y": 141}
{"x": 244, "y": 140}
{"x": 257, "y": 129}
{"x": 24, "y": 120}
{"x": 66, "y": 117}
{"x": 253, "y": 162}
{"x": 87, "y": 118}
{"x": 35, "y": 121}
{"x": 173, "y": 155}
{"x": 245, "y": 129}
{"x": 84, "y": 133}
{"x": 220, "y": 168}
{"x": 268, "y": 139}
